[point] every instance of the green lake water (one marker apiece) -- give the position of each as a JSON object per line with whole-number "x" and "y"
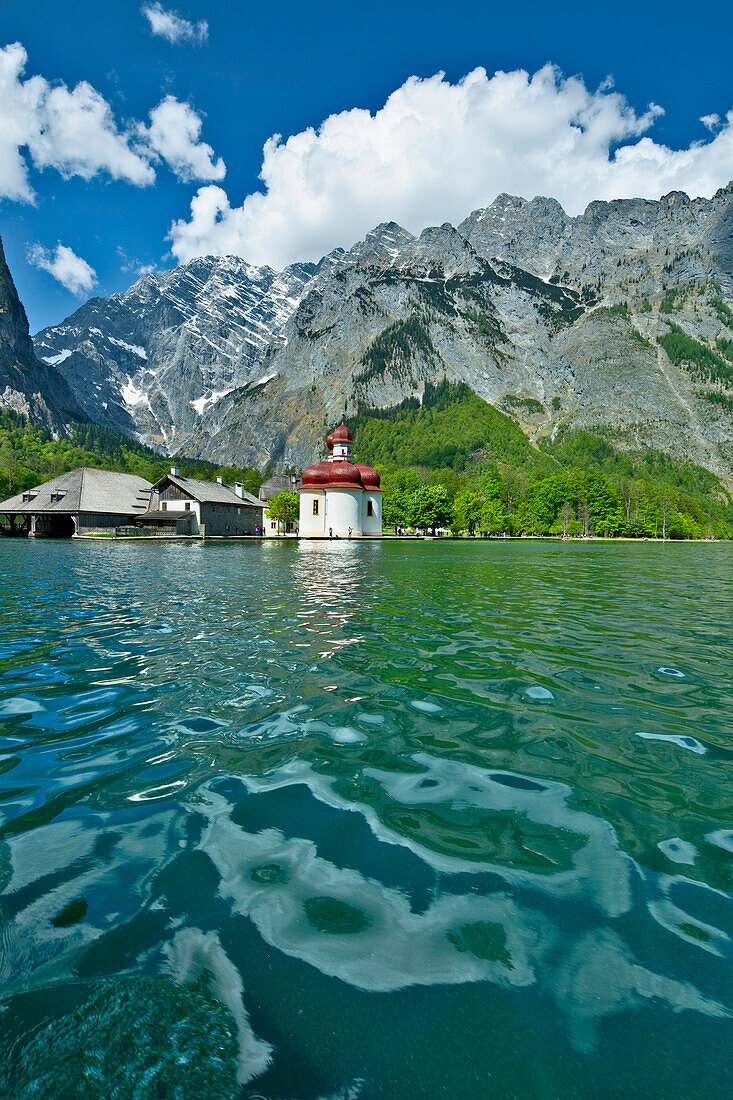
{"x": 419, "y": 820}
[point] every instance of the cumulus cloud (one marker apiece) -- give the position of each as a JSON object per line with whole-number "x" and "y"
{"x": 174, "y": 134}
{"x": 436, "y": 151}
{"x": 173, "y": 27}
{"x": 67, "y": 268}
{"x": 74, "y": 131}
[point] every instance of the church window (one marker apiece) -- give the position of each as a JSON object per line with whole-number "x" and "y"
{"x": 315, "y": 507}
{"x": 370, "y": 508}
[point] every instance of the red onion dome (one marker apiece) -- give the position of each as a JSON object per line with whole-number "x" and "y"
{"x": 329, "y": 441}
{"x": 370, "y": 478}
{"x": 342, "y": 435}
{"x": 316, "y": 477}
{"x": 344, "y": 475}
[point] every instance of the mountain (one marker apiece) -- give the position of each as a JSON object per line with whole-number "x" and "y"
{"x": 27, "y": 386}
{"x": 150, "y": 361}
{"x": 620, "y": 319}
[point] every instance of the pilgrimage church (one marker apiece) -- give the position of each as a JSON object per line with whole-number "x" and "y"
{"x": 338, "y": 497}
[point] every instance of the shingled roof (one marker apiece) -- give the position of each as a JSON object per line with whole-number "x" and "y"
{"x": 209, "y": 492}
{"x": 84, "y": 490}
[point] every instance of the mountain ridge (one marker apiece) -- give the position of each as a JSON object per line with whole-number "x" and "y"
{"x": 238, "y": 363}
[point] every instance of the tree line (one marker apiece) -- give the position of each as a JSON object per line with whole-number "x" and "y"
{"x": 29, "y": 455}
{"x": 453, "y": 461}
{"x": 571, "y": 503}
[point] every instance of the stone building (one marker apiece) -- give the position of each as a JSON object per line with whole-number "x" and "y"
{"x": 82, "y": 501}
{"x": 188, "y": 506}
{"x": 278, "y": 483}
{"x": 338, "y": 497}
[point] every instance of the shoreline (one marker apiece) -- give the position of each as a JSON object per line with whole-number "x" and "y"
{"x": 574, "y": 540}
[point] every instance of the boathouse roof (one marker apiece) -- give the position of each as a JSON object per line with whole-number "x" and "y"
{"x": 83, "y": 490}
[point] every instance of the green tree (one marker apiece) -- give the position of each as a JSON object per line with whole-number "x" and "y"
{"x": 467, "y": 509}
{"x": 494, "y": 516}
{"x": 565, "y": 516}
{"x": 429, "y": 507}
{"x": 397, "y": 486}
{"x": 284, "y": 508}
{"x": 9, "y": 460}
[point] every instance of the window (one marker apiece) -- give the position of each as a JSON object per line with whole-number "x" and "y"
{"x": 370, "y": 508}
{"x": 315, "y": 507}
{"x": 163, "y": 506}
{"x": 55, "y": 497}
{"x": 29, "y": 496}
{"x": 186, "y": 506}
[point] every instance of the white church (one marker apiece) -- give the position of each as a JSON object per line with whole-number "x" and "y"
{"x": 339, "y": 498}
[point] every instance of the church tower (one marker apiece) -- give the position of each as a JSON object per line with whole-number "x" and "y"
{"x": 340, "y": 498}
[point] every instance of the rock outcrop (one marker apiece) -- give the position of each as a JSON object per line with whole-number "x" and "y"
{"x": 555, "y": 320}
{"x": 28, "y": 387}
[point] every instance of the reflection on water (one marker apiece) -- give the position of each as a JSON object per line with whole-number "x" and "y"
{"x": 365, "y": 820}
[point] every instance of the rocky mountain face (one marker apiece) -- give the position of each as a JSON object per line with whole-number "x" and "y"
{"x": 555, "y": 320}
{"x": 628, "y": 247}
{"x": 152, "y": 360}
{"x": 27, "y": 386}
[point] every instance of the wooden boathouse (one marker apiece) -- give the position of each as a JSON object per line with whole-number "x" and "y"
{"x": 80, "y": 502}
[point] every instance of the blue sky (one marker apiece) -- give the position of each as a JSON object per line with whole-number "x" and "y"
{"x": 437, "y": 151}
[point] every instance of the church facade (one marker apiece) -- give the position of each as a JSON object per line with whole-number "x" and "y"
{"x": 340, "y": 498}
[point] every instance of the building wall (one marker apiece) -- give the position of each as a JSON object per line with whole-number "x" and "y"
{"x": 310, "y": 524}
{"x": 97, "y": 521}
{"x": 343, "y": 511}
{"x": 62, "y": 524}
{"x": 225, "y": 519}
{"x": 179, "y": 505}
{"x": 371, "y": 525}
{"x": 272, "y": 528}
{"x": 338, "y": 510}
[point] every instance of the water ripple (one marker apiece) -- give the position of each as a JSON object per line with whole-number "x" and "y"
{"x": 362, "y": 802}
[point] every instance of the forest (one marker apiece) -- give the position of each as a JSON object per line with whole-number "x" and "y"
{"x": 455, "y": 462}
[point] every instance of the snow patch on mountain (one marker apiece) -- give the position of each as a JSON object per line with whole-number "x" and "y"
{"x": 203, "y": 403}
{"x": 54, "y": 360}
{"x": 134, "y": 348}
{"x": 132, "y": 395}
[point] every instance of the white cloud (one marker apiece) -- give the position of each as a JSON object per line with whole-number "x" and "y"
{"x": 71, "y": 130}
{"x": 67, "y": 268}
{"x": 436, "y": 151}
{"x": 171, "y": 26}
{"x": 174, "y": 134}
{"x": 74, "y": 131}
{"x": 132, "y": 263}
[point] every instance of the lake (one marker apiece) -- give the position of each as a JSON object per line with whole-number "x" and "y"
{"x": 380, "y": 820}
